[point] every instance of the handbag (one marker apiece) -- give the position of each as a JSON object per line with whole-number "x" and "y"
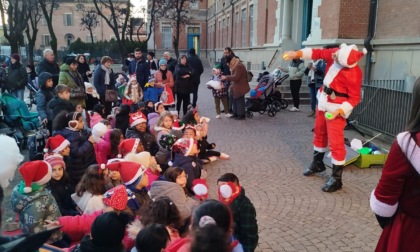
{"x": 111, "y": 95}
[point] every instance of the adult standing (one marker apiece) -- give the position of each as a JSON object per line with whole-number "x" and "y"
{"x": 239, "y": 85}
{"x": 103, "y": 79}
{"x": 71, "y": 77}
{"x": 339, "y": 95}
{"x": 140, "y": 68}
{"x": 226, "y": 71}
{"x": 196, "y": 64}
{"x": 170, "y": 61}
{"x": 315, "y": 72}
{"x": 152, "y": 62}
{"x": 165, "y": 79}
{"x": 183, "y": 84}
{"x": 296, "y": 70}
{"x": 17, "y": 77}
{"x": 395, "y": 201}
{"x": 48, "y": 64}
{"x": 83, "y": 67}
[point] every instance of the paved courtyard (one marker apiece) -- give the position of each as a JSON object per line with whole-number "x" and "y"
{"x": 268, "y": 154}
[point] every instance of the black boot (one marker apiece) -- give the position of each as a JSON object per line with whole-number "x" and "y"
{"x": 334, "y": 183}
{"x": 317, "y": 164}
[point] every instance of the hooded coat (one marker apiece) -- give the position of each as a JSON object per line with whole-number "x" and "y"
{"x": 192, "y": 167}
{"x": 43, "y": 96}
{"x": 73, "y": 80}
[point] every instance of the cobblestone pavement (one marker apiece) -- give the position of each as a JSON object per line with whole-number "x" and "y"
{"x": 268, "y": 154}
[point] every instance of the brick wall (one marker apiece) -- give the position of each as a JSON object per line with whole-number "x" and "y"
{"x": 354, "y": 18}
{"x": 329, "y": 13}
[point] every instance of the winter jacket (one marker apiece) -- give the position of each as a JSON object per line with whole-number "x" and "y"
{"x": 50, "y": 67}
{"x": 82, "y": 69}
{"x": 239, "y": 85}
{"x": 203, "y": 146}
{"x": 171, "y": 64}
{"x": 57, "y": 105}
{"x": 43, "y": 96}
{"x": 168, "y": 87}
{"x": 87, "y": 245}
{"x": 73, "y": 80}
{"x": 177, "y": 195}
{"x": 33, "y": 209}
{"x": 122, "y": 121}
{"x": 99, "y": 81}
{"x": 245, "y": 222}
{"x": 179, "y": 245}
{"x": 88, "y": 202}
{"x": 195, "y": 62}
{"x": 152, "y": 93}
{"x": 296, "y": 70}
{"x": 192, "y": 167}
{"x": 91, "y": 102}
{"x": 16, "y": 78}
{"x": 319, "y": 73}
{"x": 183, "y": 85}
{"x": 103, "y": 149}
{"x": 82, "y": 153}
{"x": 152, "y": 120}
{"x": 141, "y": 69}
{"x": 219, "y": 92}
{"x": 95, "y": 119}
{"x": 164, "y": 154}
{"x": 147, "y": 139}
{"x": 62, "y": 190}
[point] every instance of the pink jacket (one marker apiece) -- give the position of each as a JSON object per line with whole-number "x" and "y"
{"x": 169, "y": 84}
{"x": 94, "y": 119}
{"x": 103, "y": 149}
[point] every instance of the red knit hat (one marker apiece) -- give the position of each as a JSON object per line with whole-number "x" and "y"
{"x": 56, "y": 144}
{"x": 116, "y": 197}
{"x": 348, "y": 55}
{"x": 200, "y": 189}
{"x": 127, "y": 146}
{"x": 38, "y": 172}
{"x": 182, "y": 146}
{"x": 137, "y": 118}
{"x": 54, "y": 160}
{"x": 131, "y": 173}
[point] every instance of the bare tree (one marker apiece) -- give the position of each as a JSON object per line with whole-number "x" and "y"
{"x": 90, "y": 22}
{"x": 117, "y": 20}
{"x": 47, "y": 7}
{"x": 178, "y": 11}
{"x": 34, "y": 16}
{"x": 16, "y": 13}
{"x": 154, "y": 15}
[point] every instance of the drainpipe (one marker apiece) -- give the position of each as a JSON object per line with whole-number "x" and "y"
{"x": 214, "y": 37}
{"x": 207, "y": 27}
{"x": 371, "y": 34}
{"x": 232, "y": 16}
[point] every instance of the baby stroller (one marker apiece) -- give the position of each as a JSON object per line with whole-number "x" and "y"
{"x": 265, "y": 98}
{"x": 33, "y": 89}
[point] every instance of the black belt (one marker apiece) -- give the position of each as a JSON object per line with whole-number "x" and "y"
{"x": 329, "y": 91}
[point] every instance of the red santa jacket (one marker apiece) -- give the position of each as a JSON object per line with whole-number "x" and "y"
{"x": 341, "y": 79}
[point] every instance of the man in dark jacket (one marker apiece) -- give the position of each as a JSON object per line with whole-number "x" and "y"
{"x": 170, "y": 62}
{"x": 139, "y": 67}
{"x": 48, "y": 64}
{"x": 195, "y": 63}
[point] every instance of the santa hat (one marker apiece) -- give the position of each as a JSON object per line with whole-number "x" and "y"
{"x": 142, "y": 158}
{"x": 56, "y": 144}
{"x": 116, "y": 197}
{"x": 131, "y": 173}
{"x": 348, "y": 55}
{"x": 98, "y": 131}
{"x": 137, "y": 118}
{"x": 38, "y": 172}
{"x": 127, "y": 146}
{"x": 55, "y": 160}
{"x": 182, "y": 146}
{"x": 200, "y": 189}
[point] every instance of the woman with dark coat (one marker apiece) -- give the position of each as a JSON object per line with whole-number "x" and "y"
{"x": 183, "y": 84}
{"x": 83, "y": 68}
{"x": 103, "y": 79}
{"x": 17, "y": 77}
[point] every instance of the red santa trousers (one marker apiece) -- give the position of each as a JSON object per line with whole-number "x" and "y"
{"x": 332, "y": 132}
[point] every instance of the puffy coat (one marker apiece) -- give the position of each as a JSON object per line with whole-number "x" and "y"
{"x": 73, "y": 80}
{"x": 43, "y": 96}
{"x": 57, "y": 105}
{"x": 192, "y": 167}
{"x": 103, "y": 149}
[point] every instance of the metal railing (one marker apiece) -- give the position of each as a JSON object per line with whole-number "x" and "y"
{"x": 384, "y": 107}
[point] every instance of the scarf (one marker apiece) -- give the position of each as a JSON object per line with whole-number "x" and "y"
{"x": 107, "y": 73}
{"x": 163, "y": 73}
{"x": 233, "y": 63}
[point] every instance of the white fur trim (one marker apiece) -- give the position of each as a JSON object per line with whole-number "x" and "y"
{"x": 47, "y": 176}
{"x": 347, "y": 109}
{"x": 306, "y": 53}
{"x": 332, "y": 73}
{"x": 112, "y": 160}
{"x": 46, "y": 150}
{"x": 320, "y": 149}
{"x": 27, "y": 189}
{"x": 139, "y": 173}
{"x": 103, "y": 166}
{"x": 338, "y": 162}
{"x": 200, "y": 189}
{"x": 62, "y": 146}
{"x": 364, "y": 51}
{"x": 344, "y": 53}
{"x": 170, "y": 163}
{"x": 226, "y": 191}
{"x": 410, "y": 149}
{"x": 179, "y": 128}
{"x": 138, "y": 121}
{"x": 119, "y": 156}
{"x": 380, "y": 208}
{"x": 136, "y": 143}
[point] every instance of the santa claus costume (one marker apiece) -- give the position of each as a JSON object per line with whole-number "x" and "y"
{"x": 339, "y": 95}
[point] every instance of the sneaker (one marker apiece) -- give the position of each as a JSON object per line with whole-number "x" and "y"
{"x": 212, "y": 158}
{"x": 224, "y": 156}
{"x": 218, "y": 116}
{"x": 228, "y": 115}
{"x": 294, "y": 109}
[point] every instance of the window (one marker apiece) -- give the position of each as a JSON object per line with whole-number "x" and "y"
{"x": 68, "y": 19}
{"x": 46, "y": 40}
{"x": 237, "y": 30}
{"x": 167, "y": 37}
{"x": 89, "y": 39}
{"x": 243, "y": 27}
{"x": 194, "y": 4}
{"x": 69, "y": 38}
{"x": 251, "y": 24}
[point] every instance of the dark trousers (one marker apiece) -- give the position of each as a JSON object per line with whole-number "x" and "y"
{"x": 295, "y": 89}
{"x": 185, "y": 100}
{"x": 238, "y": 106}
{"x": 313, "y": 91}
{"x": 195, "y": 95}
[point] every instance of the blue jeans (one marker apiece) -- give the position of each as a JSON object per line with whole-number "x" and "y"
{"x": 313, "y": 91}
{"x": 19, "y": 94}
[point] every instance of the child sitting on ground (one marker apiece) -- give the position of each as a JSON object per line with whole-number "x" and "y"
{"x": 206, "y": 150}
{"x": 122, "y": 118}
{"x": 232, "y": 194}
{"x": 133, "y": 93}
{"x": 86, "y": 116}
{"x": 153, "y": 117}
{"x": 57, "y": 145}
{"x": 130, "y": 145}
{"x": 97, "y": 115}
{"x": 61, "y": 102}
{"x": 139, "y": 130}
